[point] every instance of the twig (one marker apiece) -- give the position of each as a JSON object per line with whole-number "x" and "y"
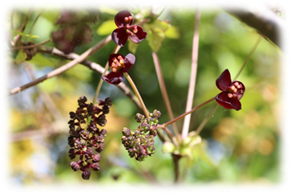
{"x": 164, "y": 92}
{"x": 30, "y": 46}
{"x": 64, "y": 67}
{"x": 192, "y": 82}
{"x": 202, "y": 124}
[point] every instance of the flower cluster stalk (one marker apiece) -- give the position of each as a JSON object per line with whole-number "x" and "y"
{"x": 137, "y": 94}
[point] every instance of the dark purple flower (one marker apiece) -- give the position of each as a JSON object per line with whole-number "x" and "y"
{"x": 231, "y": 93}
{"x": 118, "y": 64}
{"x": 125, "y": 30}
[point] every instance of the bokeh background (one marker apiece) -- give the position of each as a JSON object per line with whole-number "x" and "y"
{"x": 237, "y": 146}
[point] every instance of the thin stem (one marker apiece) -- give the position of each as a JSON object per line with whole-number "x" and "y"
{"x": 192, "y": 82}
{"x": 186, "y": 113}
{"x": 30, "y": 46}
{"x": 164, "y": 92}
{"x": 202, "y": 124}
{"x": 18, "y": 37}
{"x": 176, "y": 159}
{"x": 248, "y": 57}
{"x": 34, "y": 22}
{"x": 116, "y": 49}
{"x": 137, "y": 94}
{"x": 64, "y": 67}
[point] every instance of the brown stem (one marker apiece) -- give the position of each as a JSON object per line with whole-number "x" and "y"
{"x": 164, "y": 93}
{"x": 192, "y": 81}
{"x": 176, "y": 159}
{"x": 30, "y": 46}
{"x": 64, "y": 67}
{"x": 186, "y": 113}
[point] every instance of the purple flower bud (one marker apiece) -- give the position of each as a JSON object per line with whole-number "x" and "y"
{"x": 75, "y": 166}
{"x": 86, "y": 174}
{"x": 95, "y": 166}
{"x": 96, "y": 157}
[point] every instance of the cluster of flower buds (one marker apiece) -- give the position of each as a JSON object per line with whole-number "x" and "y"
{"x": 140, "y": 143}
{"x": 86, "y": 139}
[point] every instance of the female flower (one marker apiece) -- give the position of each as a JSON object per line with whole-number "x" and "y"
{"x": 125, "y": 30}
{"x": 118, "y": 64}
{"x": 231, "y": 93}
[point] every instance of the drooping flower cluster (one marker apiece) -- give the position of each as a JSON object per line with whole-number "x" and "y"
{"x": 86, "y": 138}
{"x": 231, "y": 93}
{"x": 125, "y": 30}
{"x": 140, "y": 143}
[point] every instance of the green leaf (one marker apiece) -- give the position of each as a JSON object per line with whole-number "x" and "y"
{"x": 106, "y": 27}
{"x": 132, "y": 47}
{"x": 162, "y": 25}
{"x": 24, "y": 34}
{"x": 155, "y": 38}
{"x": 20, "y": 57}
{"x": 172, "y": 32}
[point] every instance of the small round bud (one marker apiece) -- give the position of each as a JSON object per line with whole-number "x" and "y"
{"x": 95, "y": 166}
{"x": 86, "y": 175}
{"x": 75, "y": 166}
{"x": 96, "y": 158}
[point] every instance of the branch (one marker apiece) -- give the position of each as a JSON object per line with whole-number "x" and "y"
{"x": 64, "y": 67}
{"x": 94, "y": 67}
{"x": 265, "y": 21}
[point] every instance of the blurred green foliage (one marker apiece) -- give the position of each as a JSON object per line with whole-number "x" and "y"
{"x": 237, "y": 146}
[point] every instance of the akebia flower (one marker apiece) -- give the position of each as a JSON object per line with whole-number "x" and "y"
{"x": 231, "y": 93}
{"x": 125, "y": 30}
{"x": 118, "y": 65}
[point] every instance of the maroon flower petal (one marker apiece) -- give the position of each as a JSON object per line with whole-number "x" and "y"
{"x": 119, "y": 36}
{"x": 113, "y": 78}
{"x": 119, "y": 18}
{"x": 129, "y": 61}
{"x": 112, "y": 56}
{"x": 139, "y": 36}
{"x": 228, "y": 103}
{"x": 223, "y": 81}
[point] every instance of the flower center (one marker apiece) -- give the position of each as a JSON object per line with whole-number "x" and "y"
{"x": 131, "y": 30}
{"x": 235, "y": 90}
{"x": 117, "y": 64}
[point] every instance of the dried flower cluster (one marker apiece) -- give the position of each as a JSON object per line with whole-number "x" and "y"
{"x": 86, "y": 139}
{"x": 140, "y": 143}
{"x": 73, "y": 30}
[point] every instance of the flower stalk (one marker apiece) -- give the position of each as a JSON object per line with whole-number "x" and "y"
{"x": 186, "y": 113}
{"x": 136, "y": 93}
